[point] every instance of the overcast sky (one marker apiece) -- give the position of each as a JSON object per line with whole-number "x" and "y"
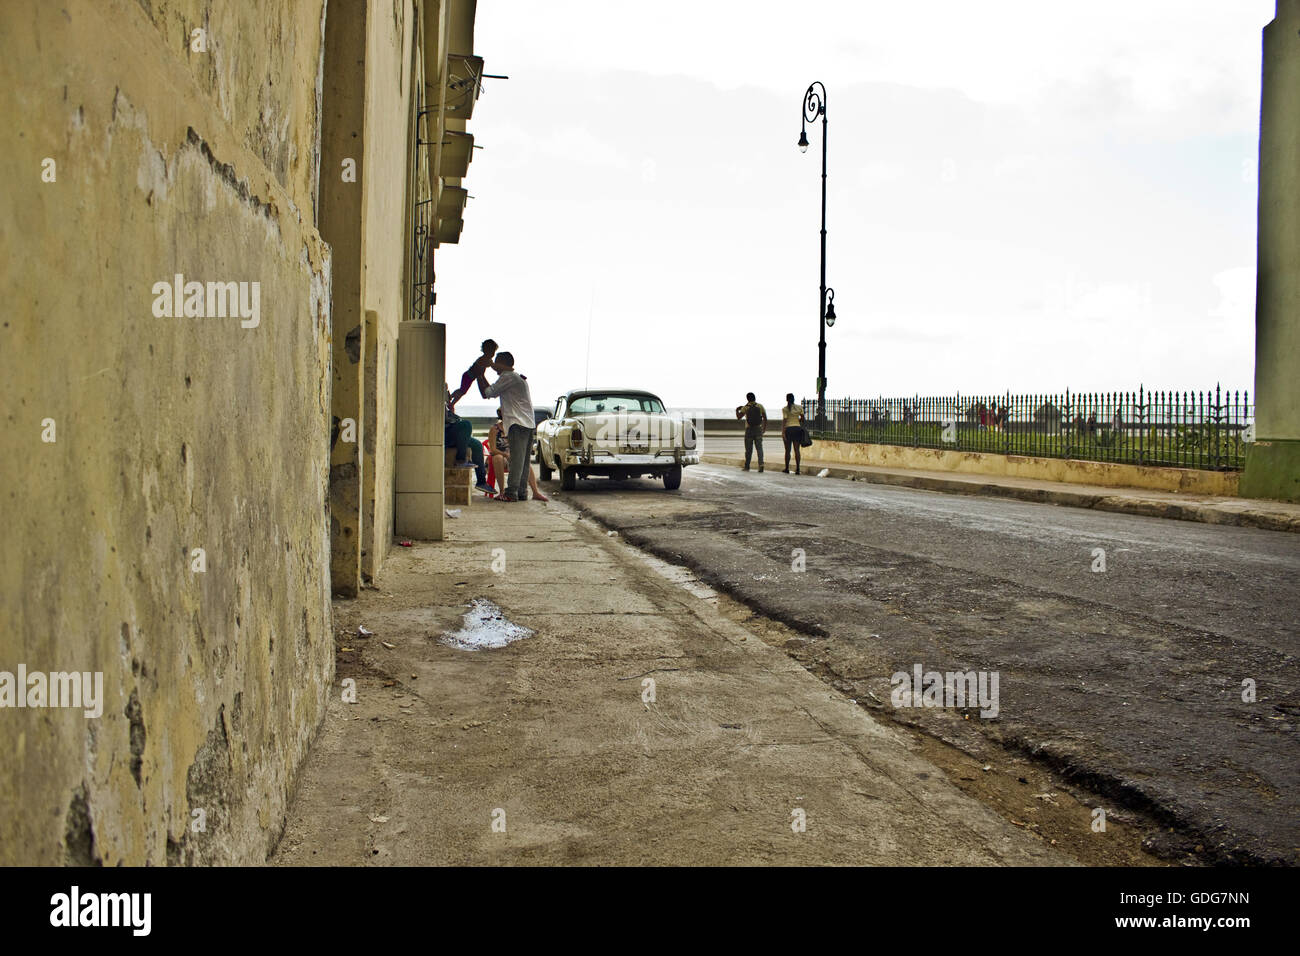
{"x": 1023, "y": 196}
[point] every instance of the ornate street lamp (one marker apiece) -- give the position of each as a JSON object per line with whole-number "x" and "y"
{"x": 814, "y": 105}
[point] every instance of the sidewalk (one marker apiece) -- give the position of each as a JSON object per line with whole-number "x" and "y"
{"x": 551, "y": 734}
{"x": 1244, "y": 512}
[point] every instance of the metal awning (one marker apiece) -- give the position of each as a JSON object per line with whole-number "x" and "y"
{"x": 451, "y": 202}
{"x": 448, "y": 230}
{"x": 464, "y": 83}
{"x": 457, "y": 152}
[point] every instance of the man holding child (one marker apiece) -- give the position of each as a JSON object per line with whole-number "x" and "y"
{"x": 516, "y": 418}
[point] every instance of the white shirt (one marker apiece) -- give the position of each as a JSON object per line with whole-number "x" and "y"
{"x": 516, "y": 400}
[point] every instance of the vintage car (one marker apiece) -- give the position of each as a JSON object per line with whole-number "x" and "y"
{"x": 617, "y": 433}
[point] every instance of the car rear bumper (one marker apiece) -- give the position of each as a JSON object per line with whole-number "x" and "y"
{"x": 598, "y": 459}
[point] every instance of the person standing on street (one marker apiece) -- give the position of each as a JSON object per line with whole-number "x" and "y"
{"x": 517, "y": 418}
{"x": 500, "y": 455}
{"x": 792, "y": 431}
{"x": 755, "y": 417}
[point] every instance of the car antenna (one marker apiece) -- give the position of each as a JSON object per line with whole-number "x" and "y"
{"x": 586, "y": 375}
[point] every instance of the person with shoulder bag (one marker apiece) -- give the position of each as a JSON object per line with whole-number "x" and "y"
{"x": 793, "y": 432}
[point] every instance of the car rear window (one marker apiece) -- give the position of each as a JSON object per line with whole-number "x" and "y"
{"x": 596, "y": 404}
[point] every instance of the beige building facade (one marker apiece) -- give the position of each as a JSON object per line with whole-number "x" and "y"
{"x": 218, "y": 217}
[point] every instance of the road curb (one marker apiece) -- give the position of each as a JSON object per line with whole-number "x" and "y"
{"x": 1098, "y": 501}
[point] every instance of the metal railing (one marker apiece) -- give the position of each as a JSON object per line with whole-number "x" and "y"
{"x": 1206, "y": 430}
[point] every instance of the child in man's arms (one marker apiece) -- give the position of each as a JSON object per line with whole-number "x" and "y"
{"x": 480, "y": 366}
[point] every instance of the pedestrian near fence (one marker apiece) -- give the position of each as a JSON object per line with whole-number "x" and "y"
{"x": 792, "y": 431}
{"x": 755, "y": 418}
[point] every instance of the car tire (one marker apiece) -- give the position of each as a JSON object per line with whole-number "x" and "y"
{"x": 673, "y": 478}
{"x": 543, "y": 469}
{"x": 569, "y": 479}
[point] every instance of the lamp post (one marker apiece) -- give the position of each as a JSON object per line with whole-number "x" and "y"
{"x": 814, "y": 105}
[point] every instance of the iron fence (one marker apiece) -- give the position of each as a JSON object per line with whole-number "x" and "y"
{"x": 1206, "y": 430}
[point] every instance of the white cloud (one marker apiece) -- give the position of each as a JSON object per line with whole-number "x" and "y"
{"x": 1236, "y": 306}
{"x": 880, "y": 173}
{"x": 1001, "y": 51}
{"x": 1094, "y": 189}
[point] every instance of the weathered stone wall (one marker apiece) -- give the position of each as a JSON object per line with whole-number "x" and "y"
{"x": 343, "y": 170}
{"x": 385, "y": 249}
{"x": 1104, "y": 473}
{"x": 171, "y": 434}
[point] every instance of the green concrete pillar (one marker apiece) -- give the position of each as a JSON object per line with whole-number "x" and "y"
{"x": 1273, "y": 461}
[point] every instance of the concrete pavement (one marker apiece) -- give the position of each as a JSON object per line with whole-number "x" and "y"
{"x": 547, "y": 750}
{"x": 1150, "y": 662}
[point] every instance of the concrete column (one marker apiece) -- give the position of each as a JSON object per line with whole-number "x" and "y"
{"x": 341, "y": 179}
{"x": 421, "y": 377}
{"x": 1273, "y": 461}
{"x": 385, "y": 276}
{"x": 376, "y": 525}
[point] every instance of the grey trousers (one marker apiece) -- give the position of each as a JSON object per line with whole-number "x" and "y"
{"x": 521, "y": 443}
{"x": 753, "y": 439}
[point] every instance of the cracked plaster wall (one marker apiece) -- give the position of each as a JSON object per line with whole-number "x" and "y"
{"x": 171, "y": 433}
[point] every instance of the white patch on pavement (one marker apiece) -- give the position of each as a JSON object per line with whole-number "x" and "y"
{"x": 484, "y": 627}
{"x": 678, "y": 575}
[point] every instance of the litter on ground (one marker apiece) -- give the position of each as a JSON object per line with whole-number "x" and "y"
{"x": 484, "y": 627}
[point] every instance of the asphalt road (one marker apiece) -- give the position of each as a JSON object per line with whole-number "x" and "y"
{"x": 1129, "y": 681}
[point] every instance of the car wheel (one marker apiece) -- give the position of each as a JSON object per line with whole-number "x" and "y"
{"x": 673, "y": 478}
{"x": 543, "y": 469}
{"x": 569, "y": 479}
